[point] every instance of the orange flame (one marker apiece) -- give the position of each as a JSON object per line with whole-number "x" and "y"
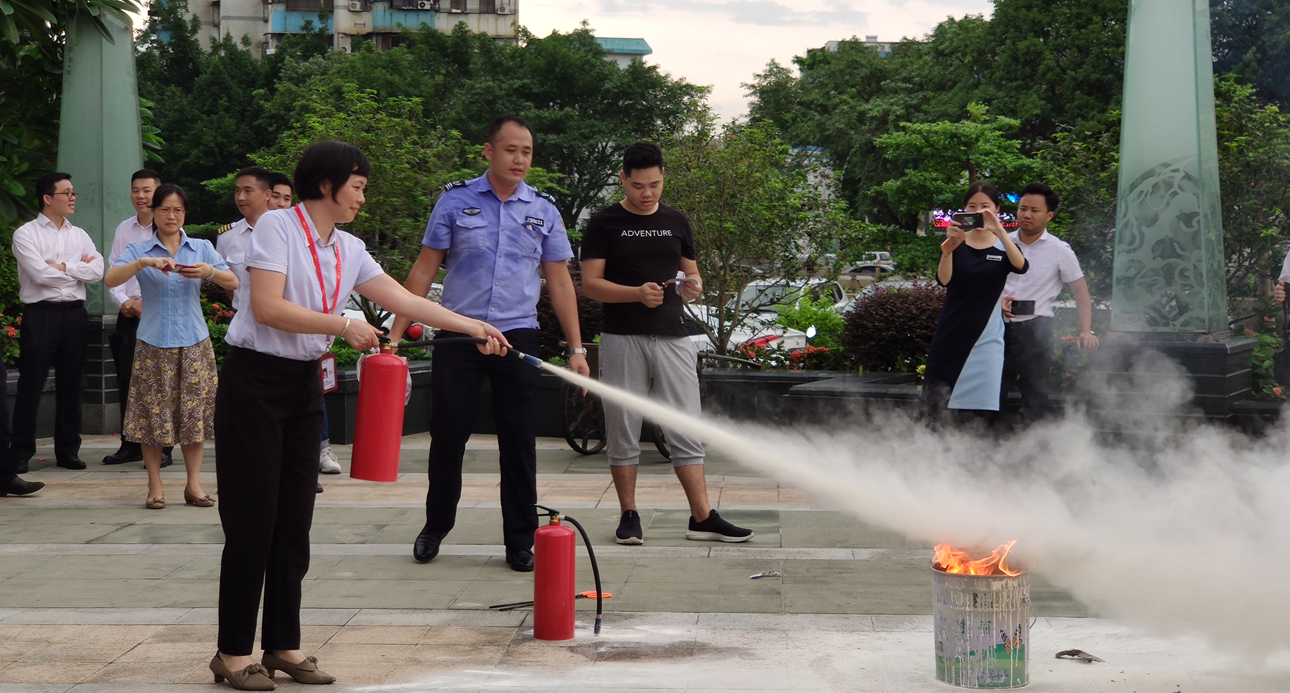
{"x": 952, "y": 560}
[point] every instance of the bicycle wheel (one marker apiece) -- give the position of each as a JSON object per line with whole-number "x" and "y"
{"x": 583, "y": 419}
{"x": 660, "y": 441}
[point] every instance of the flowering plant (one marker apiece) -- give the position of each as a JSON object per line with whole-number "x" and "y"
{"x": 1263, "y": 359}
{"x": 9, "y": 326}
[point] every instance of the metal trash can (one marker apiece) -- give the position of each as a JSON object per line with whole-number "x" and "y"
{"x": 982, "y": 629}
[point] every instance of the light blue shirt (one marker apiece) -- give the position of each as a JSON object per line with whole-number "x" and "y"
{"x": 172, "y": 304}
{"x": 494, "y": 250}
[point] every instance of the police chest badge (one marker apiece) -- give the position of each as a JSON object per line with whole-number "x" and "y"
{"x": 471, "y": 211}
{"x": 534, "y": 221}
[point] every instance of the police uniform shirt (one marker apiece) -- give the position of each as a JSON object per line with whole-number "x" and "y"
{"x": 232, "y": 244}
{"x": 494, "y": 248}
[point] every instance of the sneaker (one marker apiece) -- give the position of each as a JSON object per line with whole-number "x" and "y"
{"x": 629, "y": 529}
{"x": 327, "y": 463}
{"x": 716, "y": 529}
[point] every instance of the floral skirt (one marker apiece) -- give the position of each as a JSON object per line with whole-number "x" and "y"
{"x": 172, "y": 395}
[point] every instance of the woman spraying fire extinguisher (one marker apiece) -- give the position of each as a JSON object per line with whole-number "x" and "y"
{"x": 268, "y": 413}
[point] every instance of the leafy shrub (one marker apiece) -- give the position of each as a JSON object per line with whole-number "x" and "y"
{"x": 1263, "y": 358}
{"x": 828, "y": 324}
{"x": 589, "y": 312}
{"x": 891, "y": 329}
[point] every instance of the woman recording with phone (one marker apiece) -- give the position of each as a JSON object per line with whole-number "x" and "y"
{"x": 172, "y": 397}
{"x": 965, "y": 362}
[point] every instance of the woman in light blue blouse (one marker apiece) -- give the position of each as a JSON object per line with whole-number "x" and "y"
{"x": 172, "y": 387}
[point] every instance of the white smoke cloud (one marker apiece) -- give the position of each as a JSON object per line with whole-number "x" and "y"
{"x": 1176, "y": 528}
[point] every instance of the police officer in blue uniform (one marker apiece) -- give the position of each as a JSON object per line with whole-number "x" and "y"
{"x": 496, "y": 234}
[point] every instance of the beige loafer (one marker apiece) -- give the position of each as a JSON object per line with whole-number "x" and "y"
{"x": 252, "y": 678}
{"x": 304, "y": 672}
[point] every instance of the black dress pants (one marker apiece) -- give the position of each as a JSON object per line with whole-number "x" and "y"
{"x": 8, "y": 463}
{"x": 52, "y": 335}
{"x": 122, "y": 343}
{"x": 1027, "y": 360}
{"x": 456, "y": 378}
{"x": 268, "y": 421}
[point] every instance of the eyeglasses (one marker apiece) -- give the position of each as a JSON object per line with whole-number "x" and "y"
{"x": 71, "y": 194}
{"x": 168, "y": 211}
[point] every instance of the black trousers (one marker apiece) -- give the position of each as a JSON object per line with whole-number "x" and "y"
{"x": 1027, "y": 360}
{"x": 122, "y": 343}
{"x": 456, "y": 378}
{"x": 53, "y": 335}
{"x": 8, "y": 463}
{"x": 268, "y": 421}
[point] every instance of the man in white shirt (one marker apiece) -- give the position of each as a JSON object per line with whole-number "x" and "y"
{"x": 55, "y": 262}
{"x": 129, "y": 299}
{"x": 252, "y": 192}
{"x": 1028, "y": 346}
{"x": 282, "y": 193}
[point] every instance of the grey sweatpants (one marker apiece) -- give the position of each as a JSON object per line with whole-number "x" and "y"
{"x": 662, "y": 368}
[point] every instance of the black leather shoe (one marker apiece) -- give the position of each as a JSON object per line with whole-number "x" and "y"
{"x": 71, "y": 463}
{"x": 124, "y": 454}
{"x": 521, "y": 560}
{"x": 166, "y": 460}
{"x": 18, "y": 487}
{"x": 319, "y": 489}
{"x": 22, "y": 467}
{"x": 426, "y": 547}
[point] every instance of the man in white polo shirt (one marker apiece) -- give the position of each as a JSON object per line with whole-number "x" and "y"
{"x": 1028, "y": 346}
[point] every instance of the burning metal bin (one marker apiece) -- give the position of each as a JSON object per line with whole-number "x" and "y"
{"x": 982, "y": 629}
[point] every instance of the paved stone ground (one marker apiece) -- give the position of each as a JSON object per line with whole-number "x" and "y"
{"x": 99, "y": 594}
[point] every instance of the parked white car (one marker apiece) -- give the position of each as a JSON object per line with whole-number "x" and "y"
{"x": 759, "y": 325}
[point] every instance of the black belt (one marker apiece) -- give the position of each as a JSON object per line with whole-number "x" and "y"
{"x": 57, "y": 305}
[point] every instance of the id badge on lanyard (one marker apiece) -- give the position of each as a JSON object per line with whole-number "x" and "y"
{"x": 327, "y": 363}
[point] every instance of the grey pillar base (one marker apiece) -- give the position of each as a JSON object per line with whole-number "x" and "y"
{"x": 1217, "y": 366}
{"x": 100, "y": 404}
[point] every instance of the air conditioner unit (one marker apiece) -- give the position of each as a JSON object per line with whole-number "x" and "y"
{"x": 503, "y": 9}
{"x": 355, "y": 5}
{"x": 425, "y": 4}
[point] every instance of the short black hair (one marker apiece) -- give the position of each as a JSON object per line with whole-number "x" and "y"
{"x": 47, "y": 184}
{"x": 982, "y": 187}
{"x": 282, "y": 179}
{"x": 1051, "y": 200}
{"x": 145, "y": 174}
{"x": 499, "y": 122}
{"x": 640, "y": 156}
{"x": 329, "y": 160}
{"x": 262, "y": 176}
{"x": 160, "y": 195}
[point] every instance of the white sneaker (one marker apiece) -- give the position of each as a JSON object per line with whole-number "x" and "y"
{"x": 327, "y": 463}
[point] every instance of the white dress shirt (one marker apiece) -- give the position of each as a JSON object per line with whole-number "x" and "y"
{"x": 1053, "y": 265}
{"x": 279, "y": 245}
{"x": 37, "y": 243}
{"x": 232, "y": 246}
{"x": 127, "y": 232}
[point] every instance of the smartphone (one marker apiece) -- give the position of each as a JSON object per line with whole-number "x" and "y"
{"x": 179, "y": 266}
{"x": 969, "y": 220}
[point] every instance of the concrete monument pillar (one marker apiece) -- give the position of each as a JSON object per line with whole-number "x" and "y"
{"x": 99, "y": 143}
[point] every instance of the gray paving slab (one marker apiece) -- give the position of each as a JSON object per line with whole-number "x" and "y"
{"x": 164, "y": 534}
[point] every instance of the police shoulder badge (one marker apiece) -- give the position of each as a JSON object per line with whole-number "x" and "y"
{"x": 454, "y": 184}
{"x": 223, "y": 228}
{"x": 546, "y": 196}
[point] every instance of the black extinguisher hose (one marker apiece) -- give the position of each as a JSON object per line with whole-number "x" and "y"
{"x": 595, "y": 569}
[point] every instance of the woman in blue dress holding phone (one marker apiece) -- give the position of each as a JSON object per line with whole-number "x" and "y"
{"x": 965, "y": 362}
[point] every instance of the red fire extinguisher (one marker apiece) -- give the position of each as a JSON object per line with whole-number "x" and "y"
{"x": 554, "y": 578}
{"x": 378, "y": 426}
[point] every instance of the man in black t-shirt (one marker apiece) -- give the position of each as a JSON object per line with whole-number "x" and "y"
{"x": 638, "y": 259}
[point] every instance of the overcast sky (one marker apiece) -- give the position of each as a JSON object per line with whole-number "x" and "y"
{"x": 722, "y": 44}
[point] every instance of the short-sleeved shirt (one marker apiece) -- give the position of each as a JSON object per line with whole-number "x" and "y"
{"x": 1053, "y": 265}
{"x": 637, "y": 249}
{"x": 495, "y": 248}
{"x": 127, "y": 232}
{"x": 232, "y": 245}
{"x": 280, "y": 245}
{"x": 172, "y": 303}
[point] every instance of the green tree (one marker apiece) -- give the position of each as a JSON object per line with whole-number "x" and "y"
{"x": 1251, "y": 40}
{"x": 754, "y": 214}
{"x": 937, "y": 161}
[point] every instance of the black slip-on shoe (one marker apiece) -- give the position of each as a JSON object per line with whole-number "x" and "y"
{"x": 520, "y": 560}
{"x": 426, "y": 547}
{"x": 629, "y": 529}
{"x": 716, "y": 529}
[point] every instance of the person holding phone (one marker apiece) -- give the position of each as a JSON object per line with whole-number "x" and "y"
{"x": 1028, "y": 301}
{"x": 965, "y": 362}
{"x": 269, "y": 407}
{"x": 172, "y": 399}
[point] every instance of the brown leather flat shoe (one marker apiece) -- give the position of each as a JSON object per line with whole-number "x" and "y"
{"x": 155, "y": 503}
{"x": 201, "y": 502}
{"x": 304, "y": 672}
{"x": 252, "y": 678}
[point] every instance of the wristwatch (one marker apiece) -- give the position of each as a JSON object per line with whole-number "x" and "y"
{"x": 578, "y": 350}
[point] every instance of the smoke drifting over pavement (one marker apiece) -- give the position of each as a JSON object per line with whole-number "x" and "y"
{"x": 1184, "y": 531}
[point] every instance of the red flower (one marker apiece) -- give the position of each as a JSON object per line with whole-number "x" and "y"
{"x": 9, "y": 330}
{"x": 1276, "y": 391}
{"x": 1249, "y": 331}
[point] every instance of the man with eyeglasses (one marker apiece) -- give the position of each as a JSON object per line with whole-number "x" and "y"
{"x": 55, "y": 262}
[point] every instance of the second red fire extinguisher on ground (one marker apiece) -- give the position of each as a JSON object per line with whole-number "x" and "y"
{"x": 378, "y": 426}
{"x": 554, "y": 584}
